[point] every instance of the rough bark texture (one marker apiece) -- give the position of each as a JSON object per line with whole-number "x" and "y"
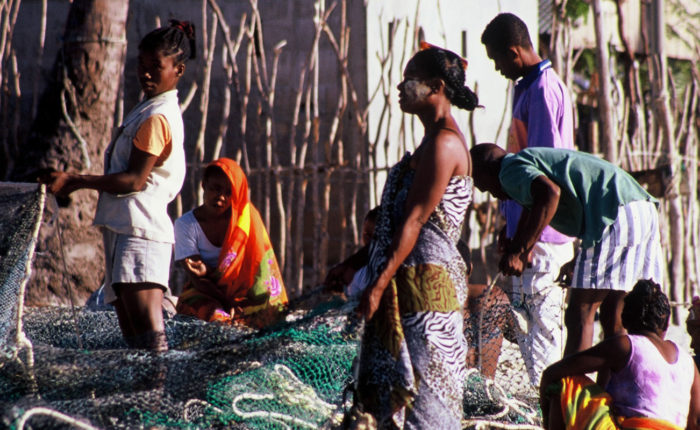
{"x": 85, "y": 79}
{"x": 607, "y": 131}
{"x": 664, "y": 118}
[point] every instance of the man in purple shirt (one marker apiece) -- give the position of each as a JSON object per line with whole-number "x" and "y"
{"x": 542, "y": 116}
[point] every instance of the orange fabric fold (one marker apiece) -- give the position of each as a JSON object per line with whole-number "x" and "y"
{"x": 247, "y": 271}
{"x": 585, "y": 406}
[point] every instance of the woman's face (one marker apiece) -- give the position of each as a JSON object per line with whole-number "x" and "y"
{"x": 217, "y": 192}
{"x": 158, "y": 73}
{"x": 413, "y": 90}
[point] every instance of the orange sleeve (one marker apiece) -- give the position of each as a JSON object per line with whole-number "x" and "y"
{"x": 153, "y": 137}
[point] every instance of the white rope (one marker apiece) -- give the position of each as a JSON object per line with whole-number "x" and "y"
{"x": 266, "y": 414}
{"x": 513, "y": 405}
{"x": 291, "y": 391}
{"x": 21, "y": 338}
{"x": 191, "y": 402}
{"x": 497, "y": 395}
{"x": 486, "y": 424}
{"x": 53, "y": 414}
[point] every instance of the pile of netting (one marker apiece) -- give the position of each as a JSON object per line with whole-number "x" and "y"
{"x": 21, "y": 208}
{"x": 78, "y": 373}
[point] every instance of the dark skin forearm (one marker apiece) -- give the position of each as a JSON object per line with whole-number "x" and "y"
{"x": 545, "y": 195}
{"x": 131, "y": 180}
{"x": 438, "y": 162}
{"x": 611, "y": 353}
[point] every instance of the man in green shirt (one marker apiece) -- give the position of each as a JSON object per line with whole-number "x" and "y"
{"x": 586, "y": 197}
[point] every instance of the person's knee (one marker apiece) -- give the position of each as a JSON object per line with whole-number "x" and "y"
{"x": 142, "y": 304}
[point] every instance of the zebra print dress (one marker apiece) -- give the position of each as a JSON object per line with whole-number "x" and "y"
{"x": 412, "y": 363}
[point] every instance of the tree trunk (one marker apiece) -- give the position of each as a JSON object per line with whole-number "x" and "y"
{"x": 662, "y": 112}
{"x": 70, "y": 132}
{"x": 607, "y": 130}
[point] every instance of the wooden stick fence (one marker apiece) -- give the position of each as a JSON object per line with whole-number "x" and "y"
{"x": 313, "y": 181}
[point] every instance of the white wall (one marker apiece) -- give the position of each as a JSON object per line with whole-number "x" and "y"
{"x": 443, "y": 22}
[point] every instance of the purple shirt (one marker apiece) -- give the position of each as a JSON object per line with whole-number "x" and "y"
{"x": 542, "y": 116}
{"x": 649, "y": 386}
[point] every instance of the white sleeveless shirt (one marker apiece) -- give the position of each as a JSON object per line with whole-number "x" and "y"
{"x": 649, "y": 386}
{"x": 144, "y": 213}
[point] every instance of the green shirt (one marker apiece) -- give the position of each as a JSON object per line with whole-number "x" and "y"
{"x": 592, "y": 189}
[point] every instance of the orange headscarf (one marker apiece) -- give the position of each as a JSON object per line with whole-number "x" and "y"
{"x": 247, "y": 264}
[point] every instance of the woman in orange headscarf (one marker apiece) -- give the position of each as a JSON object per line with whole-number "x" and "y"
{"x": 224, "y": 247}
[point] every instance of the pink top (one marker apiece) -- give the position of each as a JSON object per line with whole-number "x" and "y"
{"x": 649, "y": 386}
{"x": 542, "y": 116}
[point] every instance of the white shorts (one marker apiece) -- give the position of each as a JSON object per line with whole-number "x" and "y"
{"x": 541, "y": 274}
{"x": 629, "y": 250}
{"x": 539, "y": 299}
{"x": 134, "y": 260}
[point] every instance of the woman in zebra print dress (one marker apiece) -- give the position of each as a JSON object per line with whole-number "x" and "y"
{"x": 412, "y": 364}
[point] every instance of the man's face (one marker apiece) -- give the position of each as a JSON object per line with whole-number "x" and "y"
{"x": 487, "y": 182}
{"x": 505, "y": 62}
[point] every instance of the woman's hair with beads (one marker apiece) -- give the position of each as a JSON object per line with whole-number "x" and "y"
{"x": 450, "y": 67}
{"x": 646, "y": 308}
{"x": 175, "y": 40}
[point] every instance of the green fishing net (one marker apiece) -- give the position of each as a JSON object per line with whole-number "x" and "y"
{"x": 78, "y": 372}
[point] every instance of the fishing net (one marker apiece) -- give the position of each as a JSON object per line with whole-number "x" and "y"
{"x": 21, "y": 206}
{"x": 292, "y": 375}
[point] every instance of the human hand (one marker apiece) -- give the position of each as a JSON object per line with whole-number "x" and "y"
{"x": 566, "y": 274}
{"x": 59, "y": 183}
{"x": 513, "y": 263}
{"x": 196, "y": 267}
{"x": 371, "y": 297}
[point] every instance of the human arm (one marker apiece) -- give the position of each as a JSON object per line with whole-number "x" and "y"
{"x": 132, "y": 179}
{"x": 199, "y": 276}
{"x": 611, "y": 353}
{"x": 195, "y": 267}
{"x": 437, "y": 164}
{"x": 188, "y": 255}
{"x": 342, "y": 273}
{"x": 545, "y": 200}
{"x": 694, "y": 410}
{"x": 149, "y": 144}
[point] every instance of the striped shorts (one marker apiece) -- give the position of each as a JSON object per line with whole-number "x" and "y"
{"x": 629, "y": 250}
